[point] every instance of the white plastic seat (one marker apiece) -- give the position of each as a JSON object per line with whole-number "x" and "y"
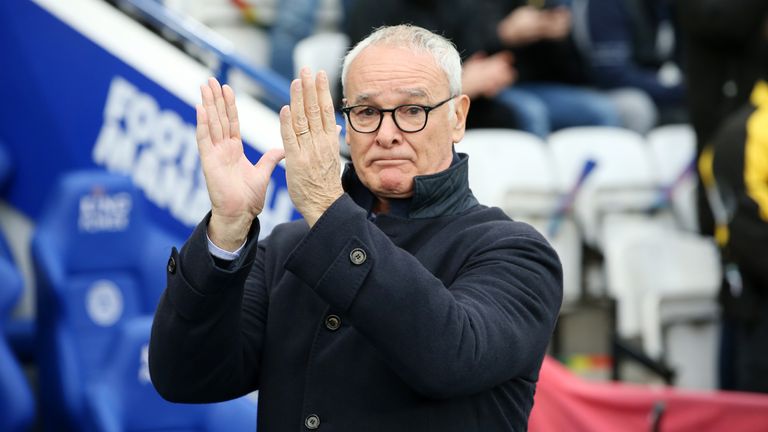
{"x": 683, "y": 276}
{"x": 673, "y": 276}
{"x": 624, "y": 179}
{"x": 673, "y": 149}
{"x": 513, "y": 170}
{"x": 621, "y": 232}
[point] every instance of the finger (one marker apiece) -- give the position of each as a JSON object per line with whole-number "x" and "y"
{"x": 202, "y": 134}
{"x": 234, "y": 120}
{"x": 290, "y": 142}
{"x": 326, "y": 103}
{"x": 311, "y": 104}
{"x": 221, "y": 107}
{"x": 504, "y": 56}
{"x": 269, "y": 161}
{"x": 211, "y": 114}
{"x": 298, "y": 116}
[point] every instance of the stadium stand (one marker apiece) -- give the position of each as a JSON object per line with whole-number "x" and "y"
{"x": 99, "y": 264}
{"x": 125, "y": 388}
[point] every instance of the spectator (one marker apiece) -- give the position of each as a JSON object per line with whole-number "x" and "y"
{"x": 295, "y": 20}
{"x": 633, "y": 44}
{"x": 740, "y": 166}
{"x": 550, "y": 92}
{"x": 721, "y": 42}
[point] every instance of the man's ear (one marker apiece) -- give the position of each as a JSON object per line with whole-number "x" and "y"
{"x": 461, "y": 107}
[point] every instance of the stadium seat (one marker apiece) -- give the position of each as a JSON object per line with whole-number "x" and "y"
{"x": 17, "y": 406}
{"x": 673, "y": 153}
{"x": 680, "y": 276}
{"x": 122, "y": 397}
{"x": 514, "y": 170}
{"x": 624, "y": 180}
{"x": 98, "y": 263}
{"x": 19, "y": 330}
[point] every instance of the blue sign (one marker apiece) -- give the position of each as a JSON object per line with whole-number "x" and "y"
{"x": 68, "y": 103}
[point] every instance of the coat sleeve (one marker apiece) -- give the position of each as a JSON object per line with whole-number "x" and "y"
{"x": 208, "y": 329}
{"x": 490, "y": 325}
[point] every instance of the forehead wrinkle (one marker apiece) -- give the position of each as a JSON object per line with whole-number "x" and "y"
{"x": 409, "y": 91}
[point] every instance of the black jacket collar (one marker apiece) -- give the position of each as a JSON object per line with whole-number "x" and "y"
{"x": 441, "y": 194}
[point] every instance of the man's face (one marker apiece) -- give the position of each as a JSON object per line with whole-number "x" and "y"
{"x": 387, "y": 160}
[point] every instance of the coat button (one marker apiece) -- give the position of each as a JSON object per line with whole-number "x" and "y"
{"x": 357, "y": 256}
{"x": 171, "y": 265}
{"x": 312, "y": 422}
{"x": 332, "y": 322}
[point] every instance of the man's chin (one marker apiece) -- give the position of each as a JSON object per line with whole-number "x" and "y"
{"x": 395, "y": 184}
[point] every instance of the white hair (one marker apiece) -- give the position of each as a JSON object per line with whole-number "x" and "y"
{"x": 419, "y": 40}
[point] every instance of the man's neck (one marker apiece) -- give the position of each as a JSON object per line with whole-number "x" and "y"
{"x": 380, "y": 206}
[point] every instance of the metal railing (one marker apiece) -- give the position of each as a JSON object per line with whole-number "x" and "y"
{"x": 274, "y": 85}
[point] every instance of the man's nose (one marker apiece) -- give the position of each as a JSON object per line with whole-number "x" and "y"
{"x": 388, "y": 134}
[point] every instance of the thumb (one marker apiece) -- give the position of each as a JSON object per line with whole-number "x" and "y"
{"x": 269, "y": 161}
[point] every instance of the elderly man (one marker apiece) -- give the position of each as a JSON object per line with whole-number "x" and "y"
{"x": 398, "y": 304}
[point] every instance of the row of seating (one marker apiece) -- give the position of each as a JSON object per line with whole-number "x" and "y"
{"x": 100, "y": 269}
{"x": 626, "y": 196}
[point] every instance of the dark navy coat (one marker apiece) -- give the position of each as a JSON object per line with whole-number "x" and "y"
{"x": 435, "y": 320}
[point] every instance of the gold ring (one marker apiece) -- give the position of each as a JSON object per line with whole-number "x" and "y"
{"x": 305, "y": 131}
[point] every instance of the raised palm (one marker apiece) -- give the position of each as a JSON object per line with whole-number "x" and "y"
{"x": 236, "y": 187}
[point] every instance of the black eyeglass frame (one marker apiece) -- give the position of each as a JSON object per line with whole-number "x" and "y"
{"x": 427, "y": 108}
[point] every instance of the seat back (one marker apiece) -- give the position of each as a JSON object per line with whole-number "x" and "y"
{"x": 98, "y": 262}
{"x": 673, "y": 152}
{"x": 512, "y": 170}
{"x": 624, "y": 179}
{"x": 17, "y": 405}
{"x": 126, "y": 389}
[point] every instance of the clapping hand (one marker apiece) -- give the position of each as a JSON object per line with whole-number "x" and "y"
{"x": 311, "y": 141}
{"x": 236, "y": 187}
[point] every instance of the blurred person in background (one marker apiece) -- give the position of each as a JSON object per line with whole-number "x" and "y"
{"x": 540, "y": 92}
{"x": 740, "y": 169}
{"x": 398, "y": 303}
{"x": 721, "y": 42}
{"x": 634, "y": 44}
{"x": 551, "y": 91}
{"x": 294, "y": 21}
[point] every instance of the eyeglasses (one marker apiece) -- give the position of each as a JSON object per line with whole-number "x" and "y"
{"x": 408, "y": 118}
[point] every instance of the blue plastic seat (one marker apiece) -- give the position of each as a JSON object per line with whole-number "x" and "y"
{"x": 99, "y": 262}
{"x": 17, "y": 406}
{"x": 123, "y": 398}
